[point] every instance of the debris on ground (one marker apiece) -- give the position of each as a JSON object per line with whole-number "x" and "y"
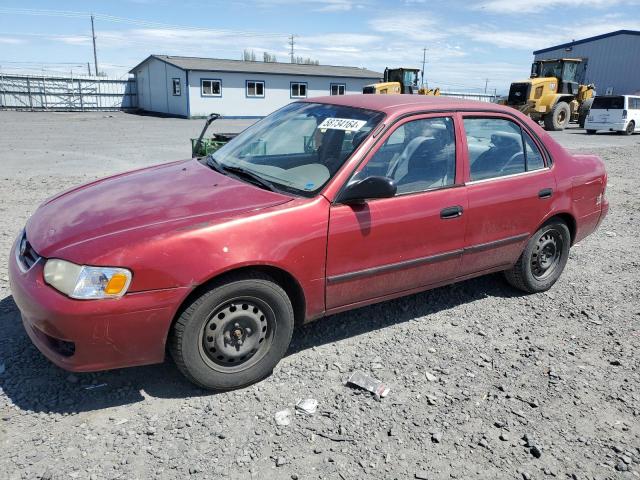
{"x": 308, "y": 406}
{"x": 364, "y": 381}
{"x": 283, "y": 417}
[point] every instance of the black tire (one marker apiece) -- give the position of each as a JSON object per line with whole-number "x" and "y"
{"x": 631, "y": 127}
{"x": 591, "y": 132}
{"x": 529, "y": 273}
{"x": 558, "y": 118}
{"x": 234, "y": 333}
{"x": 582, "y": 119}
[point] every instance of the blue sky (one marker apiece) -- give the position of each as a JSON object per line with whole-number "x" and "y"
{"x": 468, "y": 42}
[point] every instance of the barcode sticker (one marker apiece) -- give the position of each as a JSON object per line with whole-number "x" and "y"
{"x": 345, "y": 124}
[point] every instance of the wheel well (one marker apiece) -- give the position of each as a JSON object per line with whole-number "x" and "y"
{"x": 283, "y": 278}
{"x": 568, "y": 219}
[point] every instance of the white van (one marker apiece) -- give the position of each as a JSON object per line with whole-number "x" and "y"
{"x": 614, "y": 113}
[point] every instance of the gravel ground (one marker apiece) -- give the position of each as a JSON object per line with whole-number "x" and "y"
{"x": 485, "y": 382}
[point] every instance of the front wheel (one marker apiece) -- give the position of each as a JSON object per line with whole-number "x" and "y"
{"x": 234, "y": 333}
{"x": 543, "y": 259}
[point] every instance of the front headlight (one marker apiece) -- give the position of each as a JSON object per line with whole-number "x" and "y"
{"x": 85, "y": 283}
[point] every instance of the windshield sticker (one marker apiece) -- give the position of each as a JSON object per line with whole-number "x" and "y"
{"x": 309, "y": 186}
{"x": 346, "y": 124}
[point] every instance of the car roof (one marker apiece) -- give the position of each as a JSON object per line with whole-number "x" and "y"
{"x": 400, "y": 104}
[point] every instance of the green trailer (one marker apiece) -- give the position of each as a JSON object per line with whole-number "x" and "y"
{"x": 203, "y": 146}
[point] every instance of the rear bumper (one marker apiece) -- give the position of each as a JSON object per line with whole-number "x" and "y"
{"x": 92, "y": 335}
{"x": 615, "y": 127}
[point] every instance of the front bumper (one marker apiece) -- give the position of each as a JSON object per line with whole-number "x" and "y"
{"x": 92, "y": 335}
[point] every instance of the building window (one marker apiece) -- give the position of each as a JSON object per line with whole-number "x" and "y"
{"x": 255, "y": 88}
{"x": 175, "y": 82}
{"x": 338, "y": 88}
{"x": 211, "y": 88}
{"x": 298, "y": 90}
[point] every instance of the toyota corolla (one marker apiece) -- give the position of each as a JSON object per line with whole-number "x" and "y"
{"x": 326, "y": 205}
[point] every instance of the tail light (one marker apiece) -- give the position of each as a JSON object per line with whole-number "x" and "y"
{"x": 624, "y": 114}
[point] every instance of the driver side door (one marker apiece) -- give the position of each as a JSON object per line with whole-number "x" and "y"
{"x": 388, "y": 247}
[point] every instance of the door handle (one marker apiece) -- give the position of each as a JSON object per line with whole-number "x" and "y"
{"x": 545, "y": 193}
{"x": 451, "y": 212}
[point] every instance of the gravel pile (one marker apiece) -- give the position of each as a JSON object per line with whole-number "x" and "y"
{"x": 484, "y": 382}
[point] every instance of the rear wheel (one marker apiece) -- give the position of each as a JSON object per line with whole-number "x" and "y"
{"x": 234, "y": 333}
{"x": 591, "y": 132}
{"x": 558, "y": 118}
{"x": 543, "y": 259}
{"x": 630, "y": 128}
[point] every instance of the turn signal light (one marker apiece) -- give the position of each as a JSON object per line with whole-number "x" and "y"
{"x": 116, "y": 284}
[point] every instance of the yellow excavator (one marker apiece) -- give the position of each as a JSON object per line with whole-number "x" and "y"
{"x": 553, "y": 93}
{"x": 399, "y": 80}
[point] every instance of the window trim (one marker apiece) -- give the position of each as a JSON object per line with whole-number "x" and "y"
{"x": 173, "y": 87}
{"x": 546, "y": 157}
{"x": 202, "y": 94}
{"x": 246, "y": 88}
{"x": 331, "y": 85}
{"x": 306, "y": 89}
{"x": 382, "y": 136}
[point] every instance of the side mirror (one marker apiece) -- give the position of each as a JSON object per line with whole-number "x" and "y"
{"x": 367, "y": 188}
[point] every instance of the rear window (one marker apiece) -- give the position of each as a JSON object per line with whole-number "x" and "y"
{"x": 608, "y": 103}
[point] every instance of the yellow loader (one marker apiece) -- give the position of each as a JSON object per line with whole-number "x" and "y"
{"x": 553, "y": 93}
{"x": 399, "y": 80}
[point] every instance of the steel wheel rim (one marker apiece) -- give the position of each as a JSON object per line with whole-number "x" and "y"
{"x": 561, "y": 117}
{"x": 237, "y": 334}
{"x": 546, "y": 254}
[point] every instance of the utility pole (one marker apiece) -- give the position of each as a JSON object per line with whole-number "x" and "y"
{"x": 292, "y": 44}
{"x": 95, "y": 55}
{"x": 89, "y": 68}
{"x": 486, "y": 82}
{"x": 424, "y": 60}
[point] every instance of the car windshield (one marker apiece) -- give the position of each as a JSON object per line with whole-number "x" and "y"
{"x": 299, "y": 147}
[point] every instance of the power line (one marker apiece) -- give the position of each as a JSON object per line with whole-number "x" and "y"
{"x": 133, "y": 21}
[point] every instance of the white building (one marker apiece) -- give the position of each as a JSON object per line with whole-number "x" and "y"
{"x": 195, "y": 87}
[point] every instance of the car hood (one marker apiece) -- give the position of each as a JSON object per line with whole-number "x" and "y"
{"x": 184, "y": 192}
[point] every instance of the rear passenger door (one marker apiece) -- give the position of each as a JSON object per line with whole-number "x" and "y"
{"x": 509, "y": 183}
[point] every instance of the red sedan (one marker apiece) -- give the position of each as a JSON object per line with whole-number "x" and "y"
{"x": 326, "y": 205}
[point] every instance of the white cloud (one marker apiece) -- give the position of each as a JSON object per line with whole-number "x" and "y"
{"x": 10, "y": 41}
{"x": 327, "y": 6}
{"x": 530, "y": 40}
{"x": 541, "y": 6}
{"x": 415, "y": 26}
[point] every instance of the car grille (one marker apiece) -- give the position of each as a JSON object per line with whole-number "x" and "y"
{"x": 26, "y": 255}
{"x": 518, "y": 93}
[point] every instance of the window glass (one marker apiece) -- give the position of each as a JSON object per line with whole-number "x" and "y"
{"x": 495, "y": 147}
{"x": 255, "y": 89}
{"x": 211, "y": 87}
{"x": 607, "y": 103}
{"x": 419, "y": 155}
{"x": 337, "y": 89}
{"x": 176, "y": 86}
{"x": 535, "y": 161}
{"x": 301, "y": 146}
{"x": 298, "y": 90}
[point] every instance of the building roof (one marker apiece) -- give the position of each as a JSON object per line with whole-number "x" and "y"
{"x": 278, "y": 68}
{"x": 590, "y": 39}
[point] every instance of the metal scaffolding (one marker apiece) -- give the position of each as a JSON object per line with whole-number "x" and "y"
{"x": 59, "y": 93}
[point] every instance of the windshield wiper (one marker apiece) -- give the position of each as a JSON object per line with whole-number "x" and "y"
{"x": 213, "y": 163}
{"x": 254, "y": 178}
